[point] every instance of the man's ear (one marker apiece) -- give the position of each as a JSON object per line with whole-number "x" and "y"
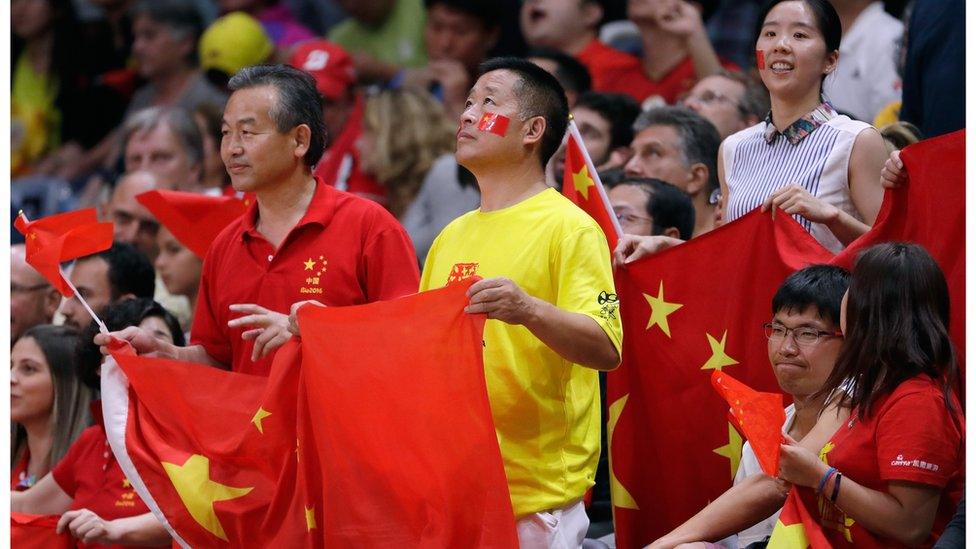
{"x": 592, "y": 14}
{"x": 52, "y": 300}
{"x": 534, "y": 129}
{"x": 303, "y": 139}
{"x": 698, "y": 181}
{"x": 123, "y": 298}
{"x": 673, "y": 232}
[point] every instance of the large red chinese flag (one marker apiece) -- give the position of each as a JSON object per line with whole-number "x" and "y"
{"x": 194, "y": 219}
{"x": 213, "y": 453}
{"x": 931, "y": 211}
{"x": 55, "y": 239}
{"x": 796, "y": 528}
{"x": 402, "y": 424}
{"x": 581, "y": 184}
{"x": 688, "y": 311}
{"x": 384, "y": 439}
{"x": 37, "y": 532}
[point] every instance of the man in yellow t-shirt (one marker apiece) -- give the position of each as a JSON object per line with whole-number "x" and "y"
{"x": 548, "y": 292}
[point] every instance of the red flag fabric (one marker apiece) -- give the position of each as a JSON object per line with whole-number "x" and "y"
{"x": 688, "y": 311}
{"x": 759, "y": 417}
{"x": 404, "y": 433}
{"x": 795, "y": 528}
{"x": 581, "y": 184}
{"x": 194, "y": 219}
{"x": 37, "y": 532}
{"x": 929, "y": 210}
{"x": 55, "y": 239}
{"x": 374, "y": 431}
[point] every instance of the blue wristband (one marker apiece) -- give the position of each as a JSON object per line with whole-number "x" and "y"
{"x": 833, "y": 495}
{"x": 824, "y": 479}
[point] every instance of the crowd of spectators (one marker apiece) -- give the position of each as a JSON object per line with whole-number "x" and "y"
{"x": 693, "y": 113}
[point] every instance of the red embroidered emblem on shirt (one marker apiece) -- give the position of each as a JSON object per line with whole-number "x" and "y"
{"x": 314, "y": 268}
{"x": 461, "y": 271}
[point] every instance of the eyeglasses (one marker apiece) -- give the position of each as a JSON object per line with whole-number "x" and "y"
{"x": 709, "y": 96}
{"x": 18, "y": 289}
{"x": 630, "y": 218}
{"x": 803, "y": 336}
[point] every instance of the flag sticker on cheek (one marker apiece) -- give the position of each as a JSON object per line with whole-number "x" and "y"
{"x": 493, "y": 123}
{"x": 761, "y": 59}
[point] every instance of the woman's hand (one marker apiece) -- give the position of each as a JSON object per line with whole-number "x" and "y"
{"x": 893, "y": 174}
{"x": 89, "y": 527}
{"x": 800, "y": 466}
{"x": 268, "y": 329}
{"x": 795, "y": 200}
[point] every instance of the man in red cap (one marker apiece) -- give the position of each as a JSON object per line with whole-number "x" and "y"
{"x": 342, "y": 109}
{"x": 301, "y": 240}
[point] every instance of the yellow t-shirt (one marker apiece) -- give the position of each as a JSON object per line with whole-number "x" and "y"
{"x": 546, "y": 409}
{"x": 35, "y": 121}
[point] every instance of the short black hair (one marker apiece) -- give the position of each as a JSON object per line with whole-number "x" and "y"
{"x": 699, "y": 138}
{"x": 616, "y": 108}
{"x": 539, "y": 94}
{"x": 820, "y": 286}
{"x": 129, "y": 270}
{"x": 571, "y": 74}
{"x": 182, "y": 17}
{"x": 667, "y": 206}
{"x": 130, "y": 312}
{"x": 488, "y": 12}
{"x": 297, "y": 102}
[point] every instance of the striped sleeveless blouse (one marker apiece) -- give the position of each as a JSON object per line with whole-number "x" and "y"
{"x": 814, "y": 152}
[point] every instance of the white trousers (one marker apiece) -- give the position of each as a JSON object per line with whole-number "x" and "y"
{"x": 562, "y": 528}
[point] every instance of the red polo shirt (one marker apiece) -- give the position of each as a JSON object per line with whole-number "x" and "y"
{"x": 92, "y": 477}
{"x": 346, "y": 250}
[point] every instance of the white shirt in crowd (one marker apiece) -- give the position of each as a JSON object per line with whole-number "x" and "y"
{"x": 866, "y": 79}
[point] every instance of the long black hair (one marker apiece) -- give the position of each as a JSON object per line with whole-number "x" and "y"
{"x": 897, "y": 326}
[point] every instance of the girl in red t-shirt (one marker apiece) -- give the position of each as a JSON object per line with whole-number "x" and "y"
{"x": 48, "y": 403}
{"x": 893, "y": 475}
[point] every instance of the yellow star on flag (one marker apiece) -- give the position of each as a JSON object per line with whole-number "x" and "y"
{"x": 309, "y": 264}
{"x": 660, "y": 309}
{"x": 582, "y": 181}
{"x": 126, "y": 483}
{"x": 719, "y": 358}
{"x": 199, "y": 493}
{"x": 793, "y": 536}
{"x": 310, "y": 518}
{"x": 732, "y": 450}
{"x": 258, "y": 417}
{"x": 620, "y": 496}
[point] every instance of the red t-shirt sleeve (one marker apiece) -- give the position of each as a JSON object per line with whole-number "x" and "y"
{"x": 917, "y": 439}
{"x": 391, "y": 267}
{"x": 206, "y": 329}
{"x": 81, "y": 451}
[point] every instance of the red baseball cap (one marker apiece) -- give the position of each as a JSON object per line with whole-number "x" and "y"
{"x": 329, "y": 64}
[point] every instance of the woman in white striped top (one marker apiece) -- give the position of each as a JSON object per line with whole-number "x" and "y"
{"x": 804, "y": 159}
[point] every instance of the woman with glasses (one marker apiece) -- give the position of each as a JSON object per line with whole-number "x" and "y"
{"x": 804, "y": 158}
{"x": 893, "y": 474}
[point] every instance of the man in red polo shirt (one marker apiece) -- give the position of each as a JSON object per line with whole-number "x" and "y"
{"x": 301, "y": 240}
